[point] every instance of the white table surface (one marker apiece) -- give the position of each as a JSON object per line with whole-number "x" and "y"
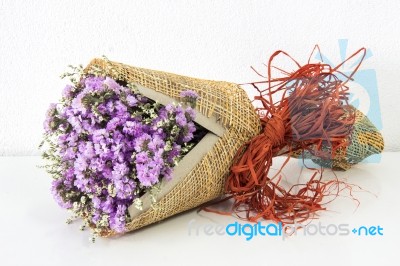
{"x": 34, "y": 232}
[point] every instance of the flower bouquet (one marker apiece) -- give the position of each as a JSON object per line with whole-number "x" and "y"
{"x": 128, "y": 146}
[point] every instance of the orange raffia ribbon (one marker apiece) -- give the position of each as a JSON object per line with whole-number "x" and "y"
{"x": 311, "y": 112}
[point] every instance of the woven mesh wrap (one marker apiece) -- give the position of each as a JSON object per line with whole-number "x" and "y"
{"x": 365, "y": 141}
{"x": 227, "y": 102}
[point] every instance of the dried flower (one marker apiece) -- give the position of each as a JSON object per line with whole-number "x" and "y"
{"x": 189, "y": 97}
{"x": 108, "y": 145}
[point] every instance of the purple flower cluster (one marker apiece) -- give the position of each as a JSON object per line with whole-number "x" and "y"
{"x": 189, "y": 94}
{"x": 110, "y": 144}
{"x": 190, "y": 97}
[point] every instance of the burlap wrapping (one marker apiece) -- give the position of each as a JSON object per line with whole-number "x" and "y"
{"x": 230, "y": 105}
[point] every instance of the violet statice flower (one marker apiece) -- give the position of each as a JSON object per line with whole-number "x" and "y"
{"x": 112, "y": 84}
{"x": 108, "y": 149}
{"x": 189, "y": 94}
{"x": 132, "y": 101}
{"x": 48, "y": 124}
{"x": 93, "y": 83}
{"x": 77, "y": 104}
{"x": 190, "y": 97}
{"x": 67, "y": 92}
{"x": 56, "y": 186}
{"x": 117, "y": 221}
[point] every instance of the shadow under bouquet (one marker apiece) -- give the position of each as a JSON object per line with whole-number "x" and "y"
{"x": 129, "y": 146}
